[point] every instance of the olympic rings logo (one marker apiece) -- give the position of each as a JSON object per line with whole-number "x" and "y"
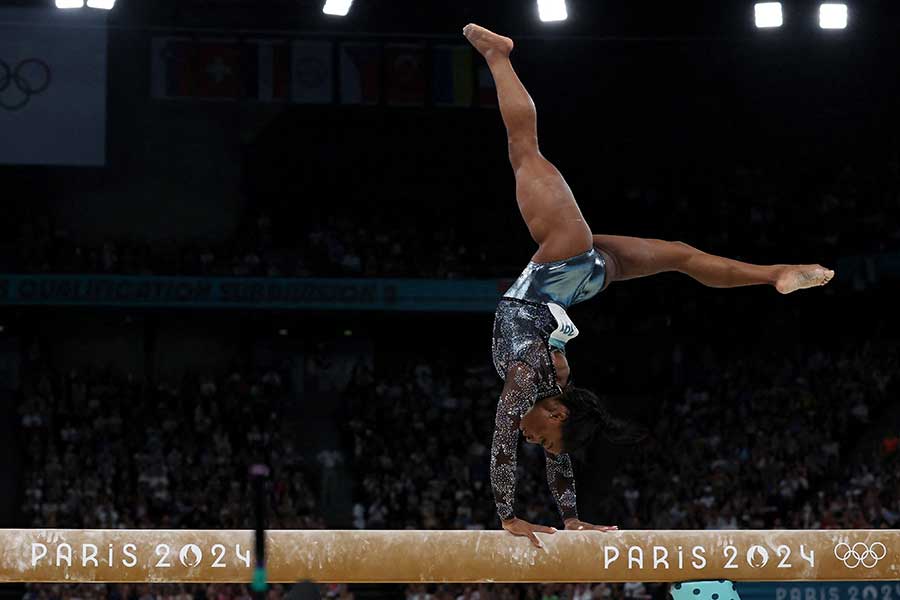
{"x": 18, "y": 84}
{"x": 860, "y": 554}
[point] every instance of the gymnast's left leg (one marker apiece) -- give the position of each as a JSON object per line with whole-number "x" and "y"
{"x": 632, "y": 257}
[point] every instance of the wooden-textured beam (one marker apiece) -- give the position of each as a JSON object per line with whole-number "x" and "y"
{"x": 121, "y": 555}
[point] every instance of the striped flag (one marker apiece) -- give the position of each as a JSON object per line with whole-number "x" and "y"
{"x": 312, "y": 72}
{"x": 453, "y": 82}
{"x": 405, "y": 74}
{"x": 274, "y": 60}
{"x": 360, "y": 73}
{"x": 162, "y": 61}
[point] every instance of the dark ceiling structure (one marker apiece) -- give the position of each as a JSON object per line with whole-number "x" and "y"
{"x": 587, "y": 18}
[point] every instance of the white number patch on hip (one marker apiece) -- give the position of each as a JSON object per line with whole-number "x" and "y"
{"x": 565, "y": 328}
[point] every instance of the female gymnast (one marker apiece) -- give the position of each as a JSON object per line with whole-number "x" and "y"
{"x": 571, "y": 265}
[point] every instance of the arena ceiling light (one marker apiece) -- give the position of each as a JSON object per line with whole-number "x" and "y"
{"x": 769, "y": 14}
{"x": 552, "y": 10}
{"x": 69, "y": 3}
{"x": 833, "y": 16}
{"x": 103, "y": 4}
{"x": 338, "y": 8}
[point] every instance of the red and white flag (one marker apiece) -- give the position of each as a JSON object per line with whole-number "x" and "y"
{"x": 361, "y": 66}
{"x": 274, "y": 59}
{"x": 406, "y": 79}
{"x": 213, "y": 69}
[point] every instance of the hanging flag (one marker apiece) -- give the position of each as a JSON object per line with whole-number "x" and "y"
{"x": 405, "y": 74}
{"x": 161, "y": 58}
{"x": 360, "y": 73}
{"x": 487, "y": 90}
{"x": 312, "y": 72}
{"x": 52, "y": 87}
{"x": 210, "y": 69}
{"x": 274, "y": 66}
{"x": 453, "y": 77}
{"x": 249, "y": 70}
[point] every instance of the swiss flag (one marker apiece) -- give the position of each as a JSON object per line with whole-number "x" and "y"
{"x": 201, "y": 69}
{"x": 215, "y": 71}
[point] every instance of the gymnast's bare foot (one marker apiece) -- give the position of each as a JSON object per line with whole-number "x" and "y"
{"x": 488, "y": 43}
{"x": 799, "y": 277}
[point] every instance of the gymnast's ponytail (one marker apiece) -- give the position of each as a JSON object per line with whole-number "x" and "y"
{"x": 588, "y": 418}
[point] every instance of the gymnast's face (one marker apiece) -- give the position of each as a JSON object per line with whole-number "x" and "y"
{"x": 543, "y": 424}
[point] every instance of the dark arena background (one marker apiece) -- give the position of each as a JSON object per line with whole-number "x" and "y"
{"x": 250, "y": 255}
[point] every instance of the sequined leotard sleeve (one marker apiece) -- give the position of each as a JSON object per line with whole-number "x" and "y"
{"x": 515, "y": 400}
{"x": 561, "y": 479}
{"x": 522, "y": 358}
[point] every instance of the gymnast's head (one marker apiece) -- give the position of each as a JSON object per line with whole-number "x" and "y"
{"x": 570, "y": 422}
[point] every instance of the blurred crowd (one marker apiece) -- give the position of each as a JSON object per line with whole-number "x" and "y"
{"x": 747, "y": 211}
{"x": 804, "y": 439}
{"x": 761, "y": 444}
{"x": 335, "y": 247}
{"x": 757, "y": 442}
{"x": 765, "y": 444}
{"x": 104, "y": 450}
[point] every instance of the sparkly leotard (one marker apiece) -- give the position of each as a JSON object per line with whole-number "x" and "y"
{"x": 529, "y": 320}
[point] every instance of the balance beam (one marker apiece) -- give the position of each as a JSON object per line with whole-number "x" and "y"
{"x": 182, "y": 556}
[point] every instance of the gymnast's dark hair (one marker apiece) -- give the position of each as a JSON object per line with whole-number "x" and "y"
{"x": 589, "y": 418}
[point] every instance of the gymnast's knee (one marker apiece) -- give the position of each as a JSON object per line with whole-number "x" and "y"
{"x": 522, "y": 150}
{"x": 680, "y": 253}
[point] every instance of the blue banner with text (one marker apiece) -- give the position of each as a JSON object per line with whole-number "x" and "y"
{"x": 246, "y": 293}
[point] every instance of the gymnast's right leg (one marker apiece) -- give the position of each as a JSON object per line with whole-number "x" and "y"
{"x": 638, "y": 257}
{"x": 545, "y": 200}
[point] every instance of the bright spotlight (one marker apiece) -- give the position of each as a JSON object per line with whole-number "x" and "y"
{"x": 552, "y": 10}
{"x": 104, "y": 4}
{"x": 338, "y": 8}
{"x": 69, "y": 3}
{"x": 769, "y": 14}
{"x": 833, "y": 16}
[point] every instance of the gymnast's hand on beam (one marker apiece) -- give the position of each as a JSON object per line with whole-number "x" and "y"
{"x": 576, "y": 525}
{"x": 526, "y": 529}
